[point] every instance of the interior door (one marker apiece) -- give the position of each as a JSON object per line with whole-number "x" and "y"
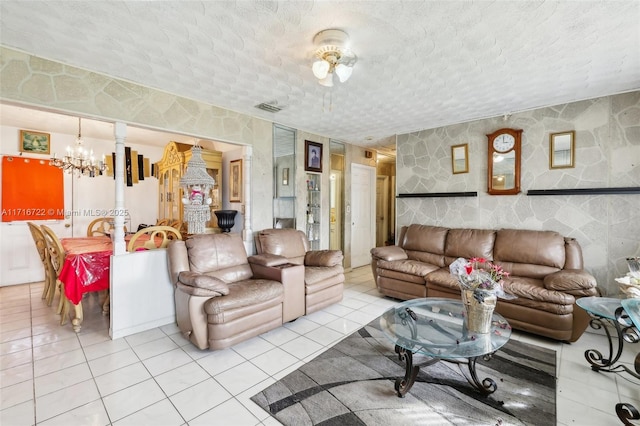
{"x": 363, "y": 227}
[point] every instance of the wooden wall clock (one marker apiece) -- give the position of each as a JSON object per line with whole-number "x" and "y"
{"x": 503, "y": 162}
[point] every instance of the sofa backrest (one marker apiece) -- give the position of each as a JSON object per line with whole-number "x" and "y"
{"x": 290, "y": 243}
{"x": 424, "y": 243}
{"x": 468, "y": 243}
{"x": 219, "y": 255}
{"x": 529, "y": 253}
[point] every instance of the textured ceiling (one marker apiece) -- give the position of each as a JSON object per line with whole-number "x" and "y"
{"x": 420, "y": 64}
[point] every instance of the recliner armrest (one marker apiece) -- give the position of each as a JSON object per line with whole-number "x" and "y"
{"x": 267, "y": 259}
{"x": 208, "y": 286}
{"x": 389, "y": 253}
{"x": 323, "y": 258}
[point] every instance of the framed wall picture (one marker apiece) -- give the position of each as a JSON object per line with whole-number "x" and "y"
{"x": 235, "y": 181}
{"x": 312, "y": 156}
{"x": 562, "y": 150}
{"x": 35, "y": 142}
{"x": 460, "y": 159}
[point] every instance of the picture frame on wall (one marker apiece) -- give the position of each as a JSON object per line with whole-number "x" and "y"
{"x": 235, "y": 181}
{"x": 312, "y": 156}
{"x": 35, "y": 142}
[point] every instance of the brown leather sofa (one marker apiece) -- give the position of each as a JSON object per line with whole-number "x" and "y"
{"x": 222, "y": 297}
{"x": 546, "y": 273}
{"x": 323, "y": 271}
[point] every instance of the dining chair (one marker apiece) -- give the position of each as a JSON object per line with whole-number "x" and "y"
{"x": 49, "y": 273}
{"x": 101, "y": 226}
{"x": 162, "y": 222}
{"x": 156, "y": 237}
{"x": 57, "y": 255}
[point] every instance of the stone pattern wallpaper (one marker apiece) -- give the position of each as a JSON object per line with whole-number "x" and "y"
{"x": 607, "y": 154}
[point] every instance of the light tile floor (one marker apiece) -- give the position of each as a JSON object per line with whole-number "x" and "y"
{"x": 51, "y": 375}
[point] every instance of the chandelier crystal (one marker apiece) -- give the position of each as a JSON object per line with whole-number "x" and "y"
{"x": 333, "y": 57}
{"x": 78, "y": 160}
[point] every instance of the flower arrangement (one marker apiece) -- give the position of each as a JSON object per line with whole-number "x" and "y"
{"x": 484, "y": 281}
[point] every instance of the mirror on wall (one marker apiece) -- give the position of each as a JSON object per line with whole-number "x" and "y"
{"x": 460, "y": 158}
{"x": 561, "y": 150}
{"x": 336, "y": 198}
{"x": 284, "y": 172}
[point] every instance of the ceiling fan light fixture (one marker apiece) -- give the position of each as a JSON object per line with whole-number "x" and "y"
{"x": 333, "y": 56}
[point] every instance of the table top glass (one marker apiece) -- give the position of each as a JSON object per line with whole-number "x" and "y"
{"x": 434, "y": 327}
{"x": 632, "y": 308}
{"x": 604, "y": 307}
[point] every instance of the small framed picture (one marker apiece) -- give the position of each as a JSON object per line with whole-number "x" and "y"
{"x": 235, "y": 181}
{"x": 312, "y": 156}
{"x": 35, "y": 142}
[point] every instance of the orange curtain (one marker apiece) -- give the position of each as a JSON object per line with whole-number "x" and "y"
{"x": 31, "y": 189}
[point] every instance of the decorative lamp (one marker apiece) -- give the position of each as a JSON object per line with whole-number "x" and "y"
{"x": 196, "y": 186}
{"x": 333, "y": 56}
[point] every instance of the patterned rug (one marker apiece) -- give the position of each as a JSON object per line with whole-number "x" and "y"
{"x": 352, "y": 383}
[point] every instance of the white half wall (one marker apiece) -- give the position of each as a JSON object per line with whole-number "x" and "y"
{"x": 141, "y": 293}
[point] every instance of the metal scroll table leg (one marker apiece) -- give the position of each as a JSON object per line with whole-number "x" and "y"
{"x": 405, "y": 383}
{"x": 487, "y": 385}
{"x": 627, "y": 412}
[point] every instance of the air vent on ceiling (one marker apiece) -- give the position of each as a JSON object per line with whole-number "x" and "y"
{"x": 272, "y": 107}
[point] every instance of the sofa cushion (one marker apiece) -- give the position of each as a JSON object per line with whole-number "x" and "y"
{"x": 389, "y": 253}
{"x": 469, "y": 243}
{"x": 532, "y": 247}
{"x": 289, "y": 243}
{"x": 411, "y": 267}
{"x": 219, "y": 255}
{"x": 316, "y": 274}
{"x": 252, "y": 295}
{"x": 425, "y": 238}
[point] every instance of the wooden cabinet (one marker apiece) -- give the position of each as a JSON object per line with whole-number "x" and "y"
{"x": 171, "y": 168}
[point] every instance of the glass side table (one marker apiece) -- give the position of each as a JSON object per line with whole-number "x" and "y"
{"x": 626, "y": 411}
{"x": 606, "y": 311}
{"x": 434, "y": 327}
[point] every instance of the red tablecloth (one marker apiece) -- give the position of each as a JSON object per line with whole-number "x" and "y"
{"x": 86, "y": 266}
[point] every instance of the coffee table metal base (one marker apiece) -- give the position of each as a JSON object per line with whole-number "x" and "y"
{"x": 403, "y": 384}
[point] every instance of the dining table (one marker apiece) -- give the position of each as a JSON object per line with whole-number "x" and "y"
{"x": 86, "y": 269}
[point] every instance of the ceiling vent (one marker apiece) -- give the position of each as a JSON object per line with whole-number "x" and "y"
{"x": 272, "y": 107}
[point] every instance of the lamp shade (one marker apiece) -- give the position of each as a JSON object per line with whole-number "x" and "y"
{"x": 327, "y": 81}
{"x": 343, "y": 72}
{"x": 320, "y": 68}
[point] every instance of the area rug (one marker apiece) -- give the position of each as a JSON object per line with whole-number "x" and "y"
{"x": 352, "y": 383}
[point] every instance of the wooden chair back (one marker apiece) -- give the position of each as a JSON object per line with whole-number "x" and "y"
{"x": 101, "y": 226}
{"x": 56, "y": 252}
{"x": 159, "y": 237}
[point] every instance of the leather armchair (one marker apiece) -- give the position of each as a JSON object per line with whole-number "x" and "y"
{"x": 220, "y": 299}
{"x": 323, "y": 270}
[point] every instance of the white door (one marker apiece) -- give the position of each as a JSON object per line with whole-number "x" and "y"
{"x": 363, "y": 213}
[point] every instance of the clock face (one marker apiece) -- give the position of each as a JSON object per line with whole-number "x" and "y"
{"x": 504, "y": 142}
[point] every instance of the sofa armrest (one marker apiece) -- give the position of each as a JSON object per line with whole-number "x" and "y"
{"x": 267, "y": 259}
{"x": 389, "y": 253}
{"x": 323, "y": 258}
{"x": 571, "y": 281}
{"x": 205, "y": 285}
{"x": 177, "y": 259}
{"x": 292, "y": 278}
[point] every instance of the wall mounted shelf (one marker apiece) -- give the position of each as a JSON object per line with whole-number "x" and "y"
{"x": 586, "y": 191}
{"x": 438, "y": 194}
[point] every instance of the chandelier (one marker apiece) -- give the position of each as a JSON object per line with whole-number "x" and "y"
{"x": 79, "y": 161}
{"x": 333, "y": 56}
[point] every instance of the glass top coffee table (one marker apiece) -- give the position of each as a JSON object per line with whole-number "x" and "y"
{"x": 434, "y": 327}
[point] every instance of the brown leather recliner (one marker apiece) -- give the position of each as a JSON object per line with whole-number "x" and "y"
{"x": 323, "y": 270}
{"x": 222, "y": 297}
